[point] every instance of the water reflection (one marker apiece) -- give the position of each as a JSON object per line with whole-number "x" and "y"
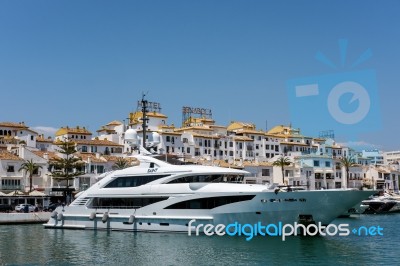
{"x": 31, "y": 244}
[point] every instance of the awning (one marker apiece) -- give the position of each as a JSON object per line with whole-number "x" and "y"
{"x": 16, "y": 193}
{"x": 36, "y": 193}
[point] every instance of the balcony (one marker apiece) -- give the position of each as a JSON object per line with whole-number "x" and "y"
{"x": 15, "y": 187}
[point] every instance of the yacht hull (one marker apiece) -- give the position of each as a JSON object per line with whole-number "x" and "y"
{"x": 267, "y": 207}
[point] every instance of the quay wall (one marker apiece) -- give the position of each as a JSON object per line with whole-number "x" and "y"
{"x": 24, "y": 218}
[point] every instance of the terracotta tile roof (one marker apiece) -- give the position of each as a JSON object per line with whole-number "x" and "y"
{"x": 169, "y": 133}
{"x": 77, "y": 130}
{"x": 196, "y": 135}
{"x": 14, "y": 125}
{"x": 235, "y": 125}
{"x": 194, "y": 128}
{"x": 111, "y": 158}
{"x": 240, "y": 138}
{"x": 114, "y": 123}
{"x": 42, "y": 139}
{"x": 135, "y": 118}
{"x": 222, "y": 163}
{"x": 85, "y": 157}
{"x": 5, "y": 155}
{"x": 97, "y": 142}
{"x": 106, "y": 130}
{"x": 52, "y": 155}
{"x": 250, "y": 131}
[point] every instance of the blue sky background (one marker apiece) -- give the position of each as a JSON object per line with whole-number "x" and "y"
{"x": 86, "y": 63}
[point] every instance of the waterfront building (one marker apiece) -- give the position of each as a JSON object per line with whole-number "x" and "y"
{"x": 77, "y": 133}
{"x": 391, "y": 157}
{"x": 14, "y": 133}
{"x": 315, "y": 161}
{"x": 375, "y": 156}
{"x": 44, "y": 144}
{"x": 11, "y": 178}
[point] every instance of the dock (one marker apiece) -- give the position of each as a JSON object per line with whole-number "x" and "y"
{"x": 24, "y": 218}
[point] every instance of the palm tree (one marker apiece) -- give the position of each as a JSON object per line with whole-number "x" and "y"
{"x": 30, "y": 167}
{"x": 347, "y": 162}
{"x": 282, "y": 162}
{"x": 121, "y": 163}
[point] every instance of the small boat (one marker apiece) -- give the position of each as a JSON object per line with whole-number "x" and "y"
{"x": 387, "y": 203}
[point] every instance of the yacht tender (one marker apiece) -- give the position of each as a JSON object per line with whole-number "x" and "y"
{"x": 157, "y": 196}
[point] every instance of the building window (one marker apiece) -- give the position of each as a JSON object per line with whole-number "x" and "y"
{"x": 10, "y": 169}
{"x": 265, "y": 172}
{"x": 231, "y": 144}
{"x": 316, "y": 163}
{"x": 188, "y": 149}
{"x": 168, "y": 139}
{"x": 327, "y": 164}
{"x": 84, "y": 148}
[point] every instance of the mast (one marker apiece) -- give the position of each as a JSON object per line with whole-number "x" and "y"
{"x": 144, "y": 119}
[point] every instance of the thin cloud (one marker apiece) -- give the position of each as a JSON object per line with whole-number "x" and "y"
{"x": 361, "y": 145}
{"x": 46, "y": 131}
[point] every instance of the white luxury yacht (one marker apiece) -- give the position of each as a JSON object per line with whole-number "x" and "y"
{"x": 387, "y": 203}
{"x": 157, "y": 196}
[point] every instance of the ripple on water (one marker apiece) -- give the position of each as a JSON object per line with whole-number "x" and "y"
{"x": 33, "y": 245}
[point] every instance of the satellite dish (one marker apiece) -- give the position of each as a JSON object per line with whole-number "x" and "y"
{"x": 156, "y": 138}
{"x": 131, "y": 136}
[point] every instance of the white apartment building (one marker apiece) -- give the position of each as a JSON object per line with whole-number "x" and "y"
{"x": 14, "y": 133}
{"x": 391, "y": 157}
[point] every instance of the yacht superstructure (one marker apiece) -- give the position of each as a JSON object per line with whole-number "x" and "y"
{"x": 157, "y": 196}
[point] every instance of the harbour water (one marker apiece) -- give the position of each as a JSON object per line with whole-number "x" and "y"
{"x": 33, "y": 245}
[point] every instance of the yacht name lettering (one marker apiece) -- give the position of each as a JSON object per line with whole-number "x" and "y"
{"x": 152, "y": 170}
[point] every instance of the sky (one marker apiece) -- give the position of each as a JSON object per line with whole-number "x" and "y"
{"x": 86, "y": 63}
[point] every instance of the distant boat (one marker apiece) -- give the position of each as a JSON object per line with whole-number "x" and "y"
{"x": 382, "y": 204}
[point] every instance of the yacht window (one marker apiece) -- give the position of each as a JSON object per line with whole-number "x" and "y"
{"x": 124, "y": 203}
{"x": 133, "y": 181}
{"x": 208, "y": 179}
{"x": 209, "y": 203}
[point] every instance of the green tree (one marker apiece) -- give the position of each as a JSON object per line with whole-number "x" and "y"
{"x": 347, "y": 162}
{"x": 121, "y": 163}
{"x": 67, "y": 167}
{"x": 30, "y": 167}
{"x": 282, "y": 162}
